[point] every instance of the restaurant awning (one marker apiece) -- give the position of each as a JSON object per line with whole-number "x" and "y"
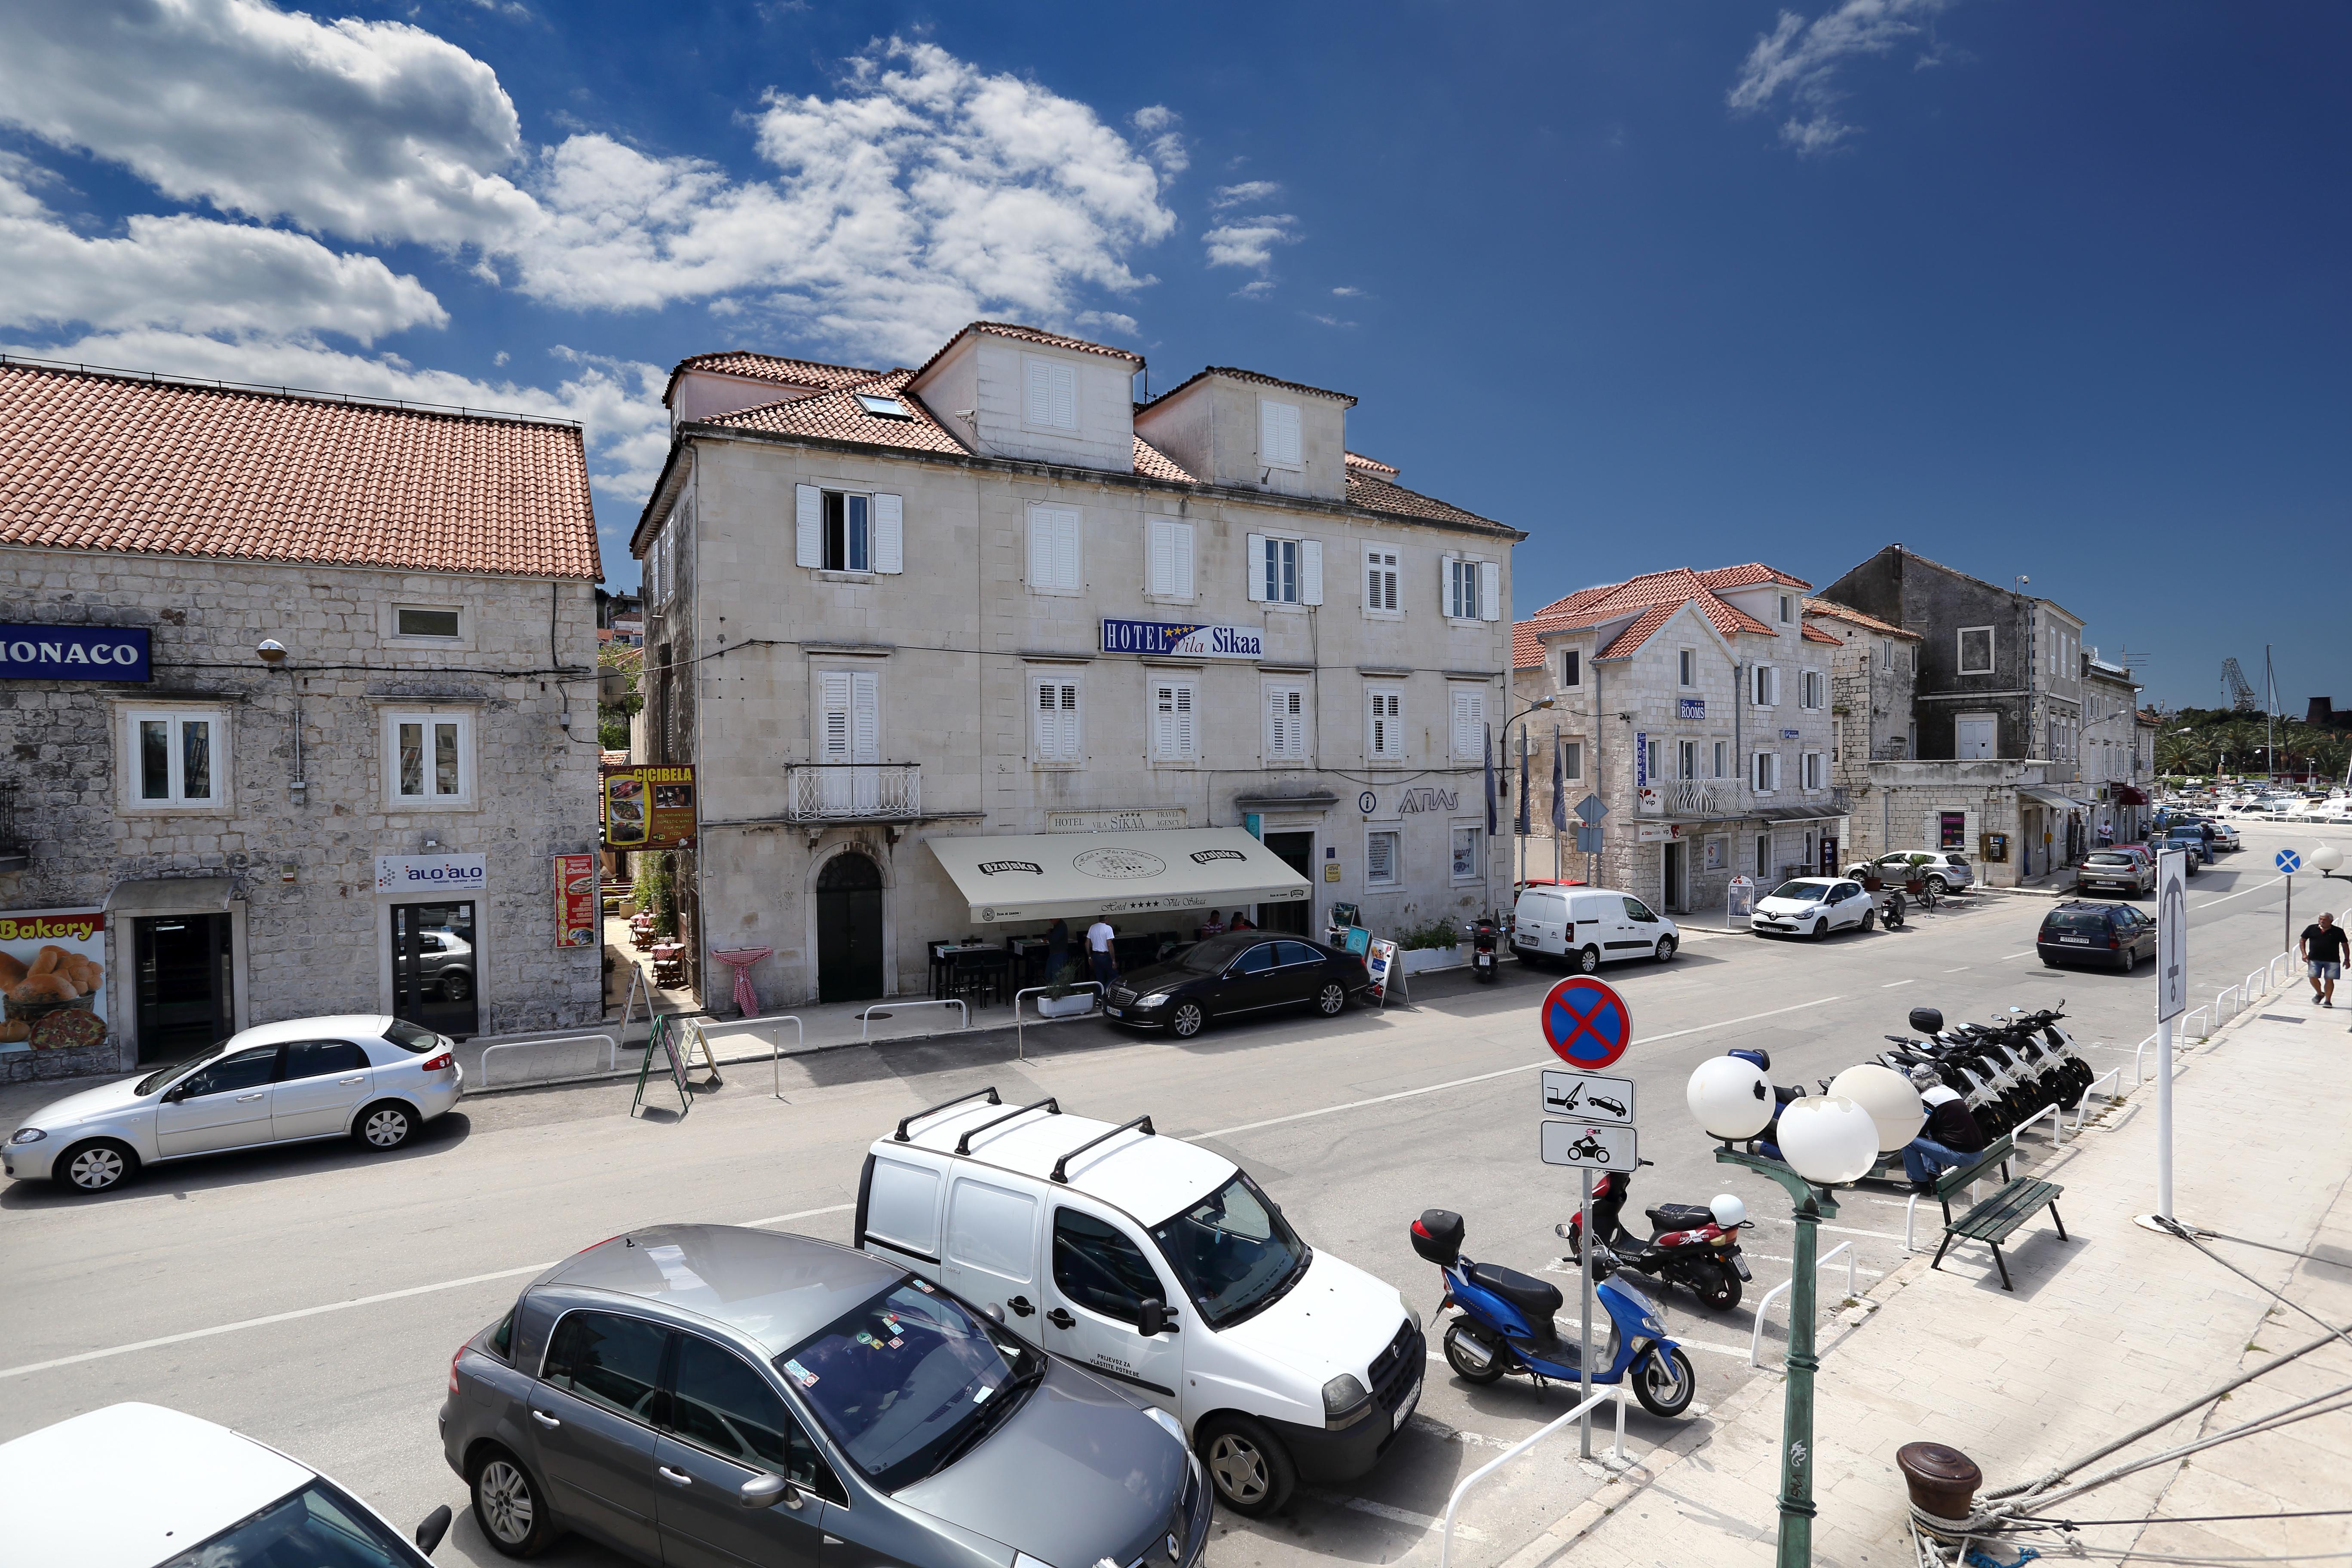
{"x": 2051, "y": 798}
{"x": 2130, "y": 794}
{"x": 1038, "y": 875}
{"x": 1796, "y": 813}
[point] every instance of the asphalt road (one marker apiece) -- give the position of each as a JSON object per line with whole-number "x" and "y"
{"x": 312, "y": 1297}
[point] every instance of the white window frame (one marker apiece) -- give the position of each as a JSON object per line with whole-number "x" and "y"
{"x": 1385, "y": 736}
{"x": 1686, "y": 759}
{"x": 1812, "y": 691}
{"x": 1044, "y": 382}
{"x": 1383, "y": 583}
{"x": 1057, "y": 736}
{"x": 133, "y": 774}
{"x": 1572, "y": 764}
{"x": 1960, "y": 651}
{"x": 1722, "y": 758}
{"x": 1395, "y": 838}
{"x": 1764, "y": 774}
{"x": 1765, "y": 688}
{"x": 1686, "y": 667}
{"x": 1301, "y": 586}
{"x": 1571, "y": 669}
{"x": 1168, "y": 561}
{"x": 461, "y": 637}
{"x": 1459, "y": 877}
{"x": 1474, "y": 582}
{"x": 1787, "y": 609}
{"x": 1287, "y": 717}
{"x": 428, "y": 720}
{"x": 885, "y": 548}
{"x": 1812, "y": 773}
{"x": 1048, "y": 567}
{"x": 1281, "y": 436}
{"x": 1467, "y": 725}
{"x": 1174, "y": 733}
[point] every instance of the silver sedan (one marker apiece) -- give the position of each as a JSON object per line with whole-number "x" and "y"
{"x": 361, "y": 1075}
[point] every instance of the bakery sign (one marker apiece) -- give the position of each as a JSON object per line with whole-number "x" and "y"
{"x": 52, "y": 979}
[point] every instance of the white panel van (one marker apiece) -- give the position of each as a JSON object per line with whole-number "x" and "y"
{"x": 1587, "y": 927}
{"x": 1160, "y": 1265}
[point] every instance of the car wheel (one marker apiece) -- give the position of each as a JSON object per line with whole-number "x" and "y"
{"x": 1332, "y": 1000}
{"x": 1869, "y": 918}
{"x": 1938, "y": 886}
{"x": 2125, "y": 961}
{"x": 386, "y": 1124}
{"x": 1251, "y": 1473}
{"x": 98, "y": 1166}
{"x": 1666, "y": 945}
{"x": 457, "y": 987}
{"x": 1822, "y": 928}
{"x": 1188, "y": 1020}
{"x": 508, "y": 1507}
{"x": 1588, "y": 958}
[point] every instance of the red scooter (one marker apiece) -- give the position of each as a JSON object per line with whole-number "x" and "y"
{"x": 1696, "y": 1248}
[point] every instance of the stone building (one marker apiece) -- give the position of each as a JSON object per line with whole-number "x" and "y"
{"x": 930, "y": 638}
{"x": 1697, "y": 706}
{"x": 1874, "y": 679}
{"x": 298, "y": 704}
{"x": 2110, "y": 773}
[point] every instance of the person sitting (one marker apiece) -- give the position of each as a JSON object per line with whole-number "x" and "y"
{"x": 1212, "y": 926}
{"x": 1241, "y": 922}
{"x": 1949, "y": 1135}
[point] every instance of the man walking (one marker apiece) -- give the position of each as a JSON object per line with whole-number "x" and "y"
{"x": 1099, "y": 952}
{"x": 2322, "y": 948}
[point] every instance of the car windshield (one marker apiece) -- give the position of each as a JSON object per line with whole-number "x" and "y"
{"x": 1210, "y": 957}
{"x": 1804, "y": 892}
{"x": 409, "y": 1037}
{"x": 905, "y": 1382}
{"x": 317, "y": 1527}
{"x": 165, "y": 1074}
{"x": 2112, "y": 858}
{"x": 2078, "y": 923}
{"x": 1234, "y": 1251}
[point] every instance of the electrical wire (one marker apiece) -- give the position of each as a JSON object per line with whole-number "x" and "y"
{"x": 2183, "y": 1519}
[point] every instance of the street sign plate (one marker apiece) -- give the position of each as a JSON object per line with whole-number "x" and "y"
{"x": 1590, "y": 1145}
{"x": 1586, "y": 1024}
{"x": 2289, "y": 862}
{"x": 1587, "y": 840}
{"x": 1592, "y": 808}
{"x": 1589, "y": 1095}
{"x": 2171, "y": 934}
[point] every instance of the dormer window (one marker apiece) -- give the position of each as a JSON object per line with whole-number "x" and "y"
{"x": 1787, "y": 608}
{"x": 1049, "y": 399}
{"x": 1278, "y": 425}
{"x": 882, "y": 407}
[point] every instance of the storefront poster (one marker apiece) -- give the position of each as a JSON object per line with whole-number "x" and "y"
{"x": 1954, "y": 825}
{"x": 576, "y": 900}
{"x": 52, "y": 979}
{"x": 1379, "y": 958}
{"x": 648, "y": 808}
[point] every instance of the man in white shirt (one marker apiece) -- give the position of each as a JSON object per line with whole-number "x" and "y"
{"x": 1099, "y": 951}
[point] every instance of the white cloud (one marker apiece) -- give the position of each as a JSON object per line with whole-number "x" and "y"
{"x": 1249, "y": 192}
{"x": 1347, "y": 292}
{"x": 1166, "y": 146}
{"x": 1327, "y": 321}
{"x": 1257, "y": 290}
{"x": 1798, "y": 61}
{"x": 1250, "y": 241}
{"x": 195, "y": 275}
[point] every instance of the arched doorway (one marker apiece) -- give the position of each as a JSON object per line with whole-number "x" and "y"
{"x": 848, "y": 929}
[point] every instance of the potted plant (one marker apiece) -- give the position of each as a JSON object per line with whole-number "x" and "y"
{"x": 1059, "y": 1001}
{"x": 1436, "y": 945}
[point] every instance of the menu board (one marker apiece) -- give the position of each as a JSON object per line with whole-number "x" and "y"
{"x": 52, "y": 979}
{"x": 576, "y": 900}
{"x": 647, "y": 808}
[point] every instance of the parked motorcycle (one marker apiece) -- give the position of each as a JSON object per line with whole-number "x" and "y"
{"x": 1504, "y": 1324}
{"x": 1483, "y": 936}
{"x": 1697, "y": 1248}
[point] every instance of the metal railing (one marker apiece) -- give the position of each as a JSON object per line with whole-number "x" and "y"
{"x": 2083, "y": 1106}
{"x": 612, "y": 1051}
{"x": 1756, "y": 1335}
{"x": 853, "y": 792}
{"x": 2057, "y": 1125}
{"x": 1020, "y": 1041}
{"x": 776, "y": 1056}
{"x": 886, "y": 1009}
{"x": 1454, "y": 1503}
{"x": 1697, "y": 797}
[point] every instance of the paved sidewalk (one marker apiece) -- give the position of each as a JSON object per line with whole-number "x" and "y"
{"x": 2105, "y": 1331}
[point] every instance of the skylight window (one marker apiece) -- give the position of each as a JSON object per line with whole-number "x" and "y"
{"x": 882, "y": 407}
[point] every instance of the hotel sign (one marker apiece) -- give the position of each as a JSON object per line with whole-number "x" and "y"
{"x": 1184, "y": 638}
{"x": 73, "y": 653}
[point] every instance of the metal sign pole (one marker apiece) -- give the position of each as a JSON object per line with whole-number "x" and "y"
{"x": 2164, "y": 1119}
{"x": 1584, "y": 1352}
{"x": 2289, "y": 932}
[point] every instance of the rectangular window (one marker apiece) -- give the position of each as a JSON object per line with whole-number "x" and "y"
{"x": 1285, "y": 571}
{"x": 1787, "y": 608}
{"x": 1768, "y": 772}
{"x": 1387, "y": 736}
{"x": 1653, "y": 763}
{"x": 1468, "y": 714}
{"x": 1382, "y": 860}
{"x": 1572, "y": 763}
{"x": 849, "y": 718}
{"x": 417, "y": 621}
{"x": 844, "y": 530}
{"x": 1809, "y": 688}
{"x": 1767, "y": 686}
{"x": 1976, "y": 650}
{"x": 1471, "y": 591}
{"x": 1169, "y": 572}
{"x": 1763, "y": 860}
{"x": 431, "y": 758}
{"x": 1722, "y": 764}
{"x": 1381, "y": 583}
{"x": 1175, "y": 722}
{"x": 1282, "y": 570}
{"x": 1054, "y": 566}
{"x": 848, "y": 532}
{"x": 1055, "y": 731}
{"x": 1687, "y": 667}
{"x": 1285, "y": 723}
{"x": 1277, "y": 425}
{"x": 1686, "y": 759}
{"x": 1465, "y": 854}
{"x": 1049, "y": 394}
{"x": 1814, "y": 772}
{"x": 180, "y": 757}
{"x": 1572, "y": 668}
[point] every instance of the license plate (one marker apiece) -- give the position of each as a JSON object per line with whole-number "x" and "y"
{"x": 2075, "y": 940}
{"x": 1115, "y": 1012}
{"x": 1406, "y": 1408}
{"x": 1741, "y": 1264}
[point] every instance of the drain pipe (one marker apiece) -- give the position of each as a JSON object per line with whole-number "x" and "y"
{"x": 272, "y": 654}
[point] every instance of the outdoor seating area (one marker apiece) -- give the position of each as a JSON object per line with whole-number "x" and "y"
{"x": 2000, "y": 1217}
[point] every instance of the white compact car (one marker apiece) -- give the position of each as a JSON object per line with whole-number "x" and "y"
{"x": 203, "y": 1496}
{"x": 1161, "y": 1266}
{"x": 361, "y": 1076}
{"x": 1587, "y": 927}
{"x": 1814, "y": 906}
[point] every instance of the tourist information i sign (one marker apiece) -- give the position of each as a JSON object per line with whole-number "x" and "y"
{"x": 1589, "y": 1095}
{"x": 1590, "y": 1145}
{"x": 1586, "y": 1024}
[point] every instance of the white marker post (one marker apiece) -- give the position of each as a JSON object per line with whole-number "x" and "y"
{"x": 2171, "y": 1001}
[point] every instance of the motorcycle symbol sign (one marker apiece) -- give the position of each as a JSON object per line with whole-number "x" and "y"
{"x": 1582, "y": 1143}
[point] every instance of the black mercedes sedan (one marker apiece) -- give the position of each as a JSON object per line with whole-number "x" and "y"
{"x": 1240, "y": 972}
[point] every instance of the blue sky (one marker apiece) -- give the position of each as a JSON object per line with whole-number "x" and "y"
{"x": 2032, "y": 288}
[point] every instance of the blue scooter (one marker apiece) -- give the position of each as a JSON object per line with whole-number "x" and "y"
{"x": 1506, "y": 1324}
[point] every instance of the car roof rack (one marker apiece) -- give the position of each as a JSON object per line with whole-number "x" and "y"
{"x": 963, "y": 1144}
{"x": 1061, "y": 1166}
{"x": 989, "y": 1093}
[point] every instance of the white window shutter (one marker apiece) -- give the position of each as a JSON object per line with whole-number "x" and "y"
{"x": 865, "y": 731}
{"x": 1065, "y": 396}
{"x": 1041, "y": 547}
{"x": 1181, "y": 552}
{"x": 1163, "y": 723}
{"x": 889, "y": 534}
{"x": 1279, "y": 432}
{"x": 833, "y": 702}
{"x": 1065, "y": 552}
{"x": 1490, "y": 590}
{"x": 808, "y": 531}
{"x": 1186, "y": 735}
{"x": 1277, "y": 723}
{"x": 1047, "y": 730}
{"x": 1258, "y": 568}
{"x": 1310, "y": 570}
{"x": 1040, "y": 392}
{"x": 1159, "y": 556}
{"x": 1445, "y": 605}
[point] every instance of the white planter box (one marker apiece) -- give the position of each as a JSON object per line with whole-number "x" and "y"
{"x": 1062, "y": 1007}
{"x": 1418, "y": 959}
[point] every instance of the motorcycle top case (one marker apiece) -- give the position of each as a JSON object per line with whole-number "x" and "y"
{"x": 1437, "y": 1236}
{"x": 1928, "y": 1020}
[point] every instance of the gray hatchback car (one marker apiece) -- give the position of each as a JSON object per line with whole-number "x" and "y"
{"x": 706, "y": 1395}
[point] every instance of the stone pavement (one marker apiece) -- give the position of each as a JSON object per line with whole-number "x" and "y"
{"x": 2104, "y": 1332}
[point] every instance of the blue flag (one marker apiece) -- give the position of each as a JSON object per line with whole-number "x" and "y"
{"x": 1489, "y": 756}
{"x": 1559, "y": 784}
{"x": 1523, "y": 783}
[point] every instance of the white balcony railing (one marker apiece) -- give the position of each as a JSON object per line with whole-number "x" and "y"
{"x": 854, "y": 792}
{"x": 1691, "y": 797}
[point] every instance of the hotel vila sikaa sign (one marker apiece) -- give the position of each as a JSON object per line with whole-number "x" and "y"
{"x": 1185, "y": 639}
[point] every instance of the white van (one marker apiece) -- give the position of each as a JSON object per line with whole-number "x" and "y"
{"x": 1587, "y": 927}
{"x": 1159, "y": 1264}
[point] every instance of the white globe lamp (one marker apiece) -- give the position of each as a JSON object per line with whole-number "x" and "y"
{"x": 1730, "y": 1098}
{"x": 1893, "y": 1106}
{"x": 1828, "y": 1139}
{"x": 2327, "y": 857}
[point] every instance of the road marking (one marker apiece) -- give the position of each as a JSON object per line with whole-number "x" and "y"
{"x": 1892, "y": 984}
{"x": 1775, "y": 1257}
{"x": 1420, "y": 1521}
{"x": 1843, "y": 1229}
{"x": 324, "y": 1308}
{"x": 2241, "y": 893}
{"x": 1963, "y": 969}
{"x": 2005, "y": 957}
{"x": 1502, "y": 1072}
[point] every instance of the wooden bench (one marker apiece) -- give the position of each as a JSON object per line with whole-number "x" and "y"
{"x": 1998, "y": 1217}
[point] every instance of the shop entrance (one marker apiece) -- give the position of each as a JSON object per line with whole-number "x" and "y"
{"x": 849, "y": 929}
{"x": 433, "y": 976}
{"x": 184, "y": 998}
{"x": 1296, "y": 851}
{"x": 1677, "y": 888}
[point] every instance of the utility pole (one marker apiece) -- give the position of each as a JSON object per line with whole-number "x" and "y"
{"x": 2269, "y": 711}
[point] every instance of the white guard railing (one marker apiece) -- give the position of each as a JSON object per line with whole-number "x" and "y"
{"x": 611, "y": 1050}
{"x": 1020, "y": 1040}
{"x": 886, "y": 1009}
{"x": 1454, "y": 1503}
{"x": 1756, "y": 1335}
{"x": 852, "y": 792}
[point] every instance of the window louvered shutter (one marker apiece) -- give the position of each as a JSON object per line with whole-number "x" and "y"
{"x": 889, "y": 534}
{"x": 1066, "y": 550}
{"x": 1052, "y": 395}
{"x": 1187, "y": 736}
{"x": 808, "y": 526}
{"x": 832, "y": 735}
{"x": 1258, "y": 568}
{"x": 866, "y": 721}
{"x": 1181, "y": 533}
{"x": 1310, "y": 570}
{"x": 1490, "y": 590}
{"x": 1159, "y": 556}
{"x": 1278, "y": 433}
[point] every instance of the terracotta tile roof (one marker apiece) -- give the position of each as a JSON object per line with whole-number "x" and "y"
{"x": 1378, "y": 495}
{"x": 1371, "y": 465}
{"x": 838, "y": 415}
{"x": 1815, "y": 634}
{"x": 1154, "y": 464}
{"x": 1752, "y": 573}
{"x": 98, "y": 461}
{"x": 1836, "y": 611}
{"x": 1027, "y": 335}
{"x": 1251, "y": 375}
{"x": 769, "y": 367}
{"x": 1651, "y": 600}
